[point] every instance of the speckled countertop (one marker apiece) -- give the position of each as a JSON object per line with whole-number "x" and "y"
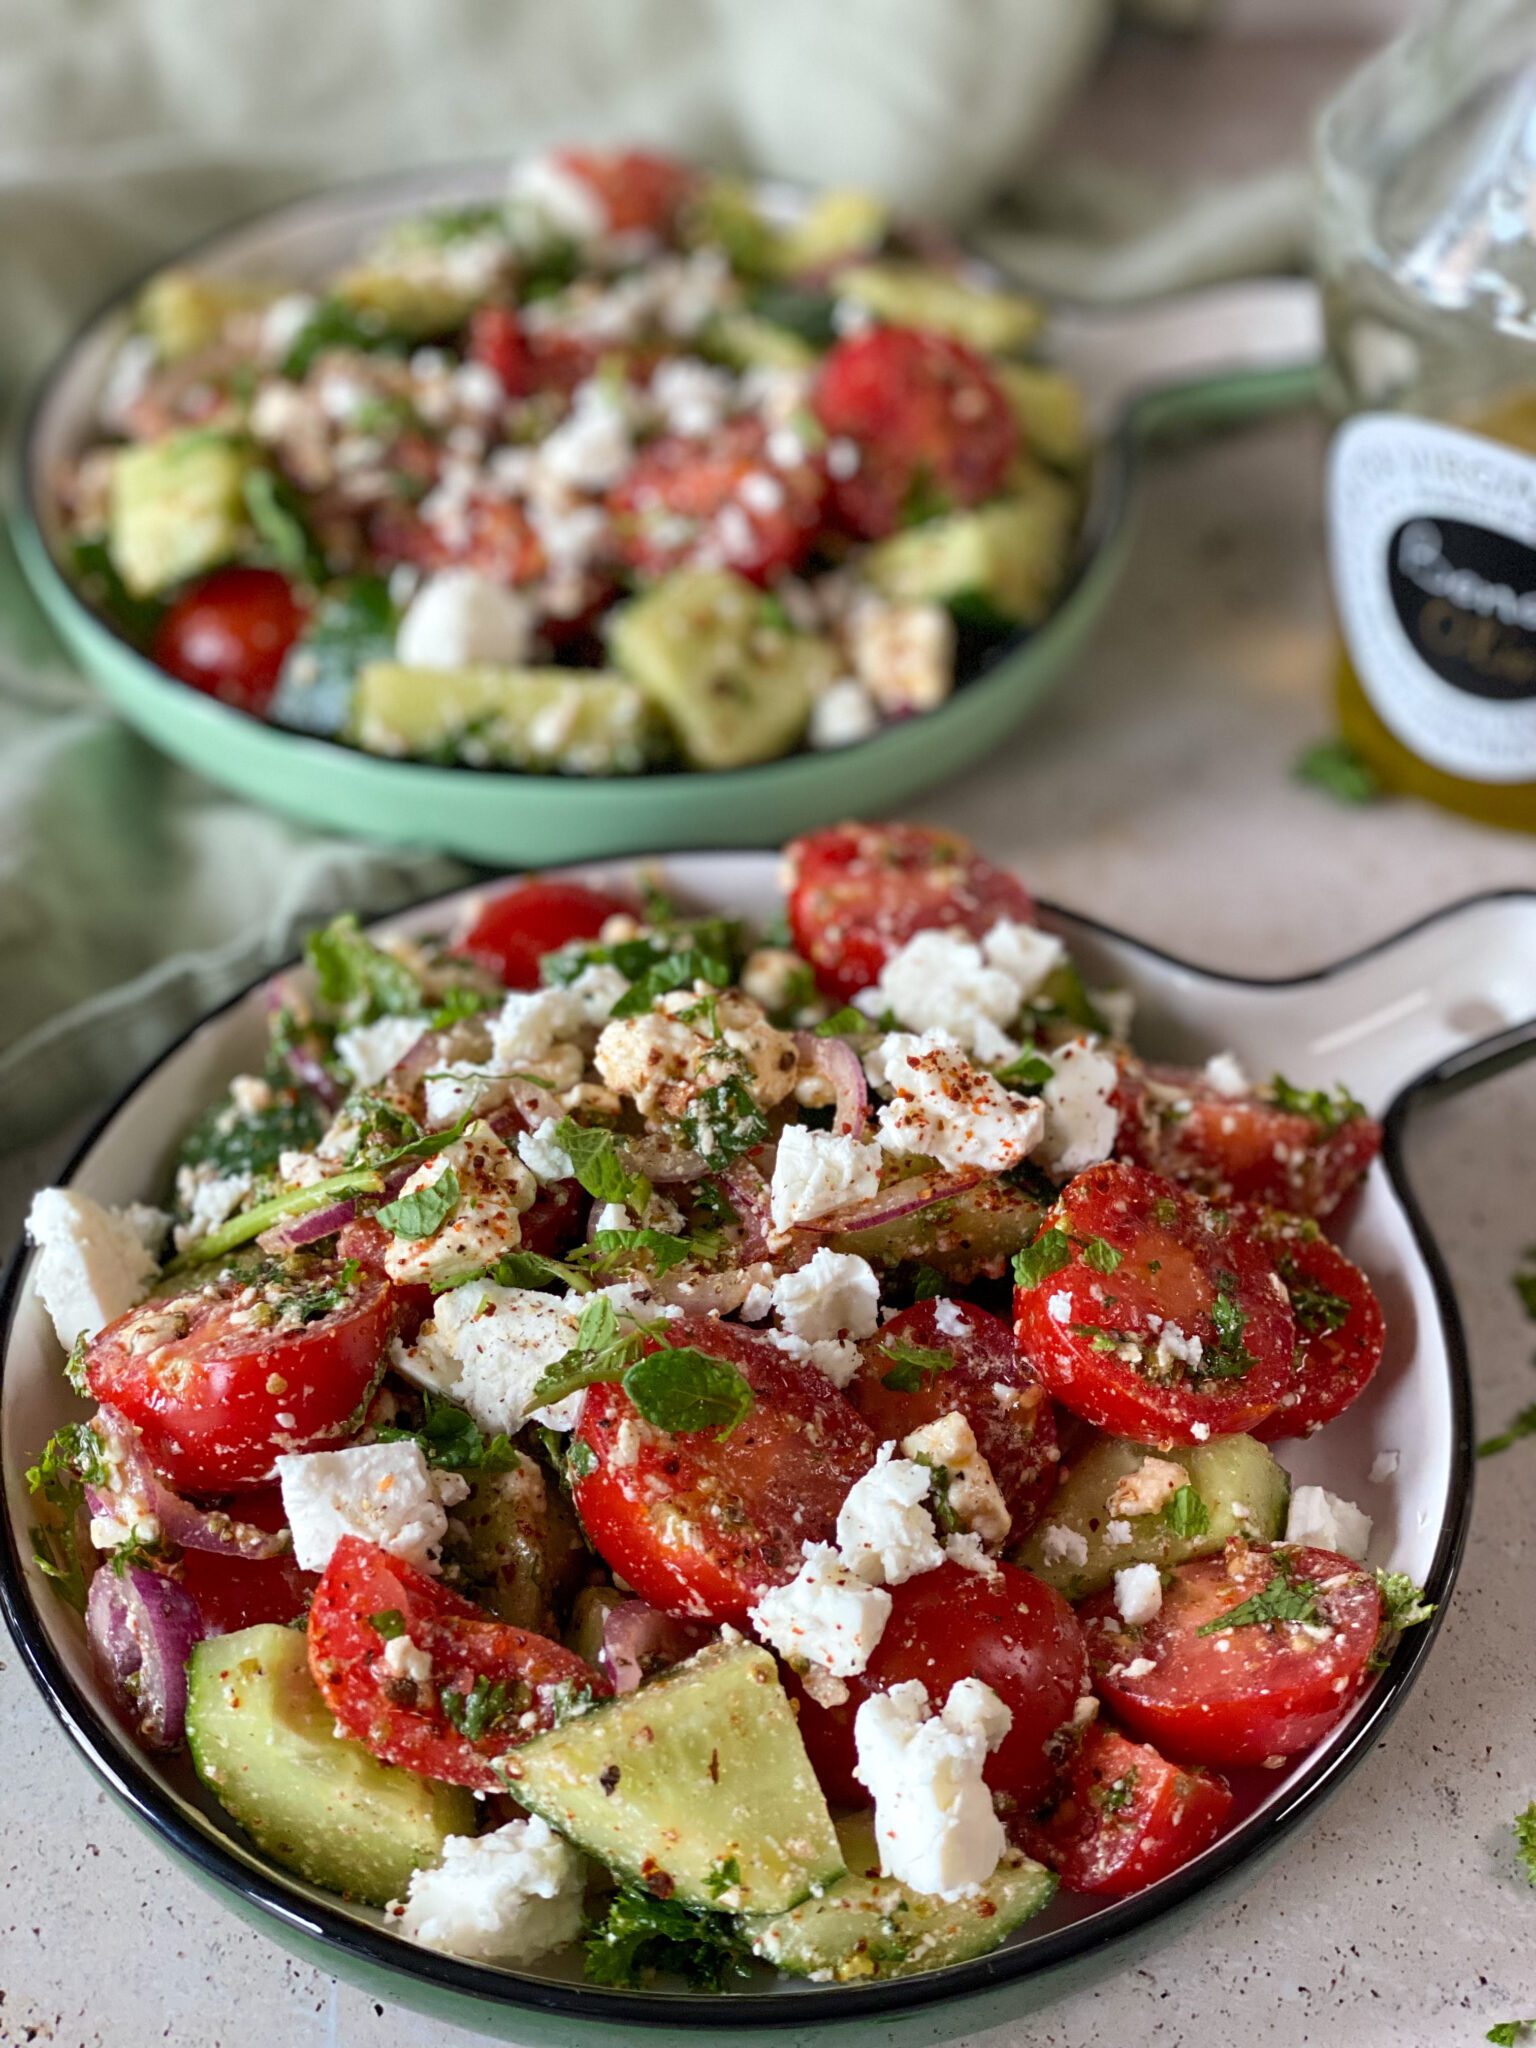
{"x": 1154, "y": 792}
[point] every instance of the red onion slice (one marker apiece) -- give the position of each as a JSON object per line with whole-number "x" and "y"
{"x": 663, "y": 1162}
{"x": 140, "y": 1490}
{"x": 901, "y": 1198}
{"x": 142, "y": 1628}
{"x": 702, "y": 1292}
{"x": 842, "y": 1069}
{"x": 296, "y": 1231}
{"x": 749, "y": 1195}
{"x": 639, "y": 1641}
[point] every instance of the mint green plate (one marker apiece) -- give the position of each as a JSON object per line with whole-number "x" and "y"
{"x": 1198, "y": 361}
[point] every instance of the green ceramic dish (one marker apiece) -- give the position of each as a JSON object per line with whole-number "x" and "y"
{"x": 1202, "y": 360}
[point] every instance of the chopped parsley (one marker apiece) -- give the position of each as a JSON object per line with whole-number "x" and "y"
{"x": 580, "y": 1459}
{"x": 1185, "y": 1513}
{"x": 1283, "y": 1599}
{"x": 451, "y": 1440}
{"x": 1329, "y": 1111}
{"x": 844, "y": 1023}
{"x": 1404, "y": 1602}
{"x": 423, "y": 1213}
{"x": 1524, "y": 1825}
{"x": 1523, "y": 1425}
{"x": 1315, "y": 1308}
{"x": 725, "y": 1876}
{"x": 1227, "y": 1356}
{"x": 914, "y": 1367}
{"x": 724, "y": 1121}
{"x": 313, "y": 1303}
{"x": 641, "y": 1937}
{"x": 71, "y": 1460}
{"x": 484, "y": 1707}
{"x": 1117, "y": 1795}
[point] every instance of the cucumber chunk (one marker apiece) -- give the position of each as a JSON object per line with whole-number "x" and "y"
{"x": 1011, "y": 556}
{"x": 867, "y": 1926}
{"x": 1230, "y": 1473}
{"x": 696, "y": 1787}
{"x": 1049, "y": 409}
{"x": 734, "y": 682}
{"x": 920, "y": 295}
{"x": 576, "y": 721}
{"x": 264, "y": 1743}
{"x": 182, "y": 312}
{"x": 176, "y": 507}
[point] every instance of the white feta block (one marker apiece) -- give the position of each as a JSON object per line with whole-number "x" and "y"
{"x": 1325, "y": 1522}
{"x": 943, "y": 1108}
{"x": 826, "y": 1615}
{"x": 93, "y": 1263}
{"x": 500, "y": 1339}
{"x": 1081, "y": 1120}
{"x": 974, "y": 1496}
{"x": 385, "y": 1493}
{"x": 508, "y": 1897}
{"x": 836, "y": 1294}
{"x": 544, "y": 1158}
{"x": 459, "y": 619}
{"x": 494, "y": 1188}
{"x": 1139, "y": 1593}
{"x": 370, "y": 1051}
{"x": 934, "y": 1819}
{"x": 1225, "y": 1074}
{"x": 817, "y": 1172}
{"x": 885, "y": 1534}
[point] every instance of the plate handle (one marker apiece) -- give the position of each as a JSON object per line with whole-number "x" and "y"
{"x": 1195, "y": 360}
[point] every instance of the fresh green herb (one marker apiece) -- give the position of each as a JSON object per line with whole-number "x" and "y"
{"x": 231, "y": 1143}
{"x": 1165, "y": 1212}
{"x": 71, "y": 1460}
{"x": 608, "y": 1249}
{"x": 602, "y": 1351}
{"x": 358, "y": 980}
{"x": 1404, "y": 1606}
{"x": 1523, "y": 1280}
{"x": 580, "y": 1459}
{"x": 389, "y": 1623}
{"x": 1316, "y": 1310}
{"x": 451, "y": 1440}
{"x": 1524, "y": 1825}
{"x": 1524, "y": 1425}
{"x": 1063, "y": 997}
{"x": 353, "y": 624}
{"x": 1283, "y": 1599}
{"x": 423, "y": 1213}
{"x": 1030, "y": 1070}
{"x": 928, "y": 1285}
{"x": 940, "y": 1480}
{"x": 810, "y": 314}
{"x": 723, "y": 1122}
{"x": 569, "y": 1700}
{"x": 314, "y": 1302}
{"x": 709, "y": 1196}
{"x": 1098, "y": 1254}
{"x": 535, "y": 1270}
{"x": 1228, "y": 1357}
{"x": 459, "y": 1002}
{"x": 1509, "y": 2033}
{"x": 914, "y": 1367}
{"x": 1101, "y": 1340}
{"x": 74, "y": 1365}
{"x": 276, "y": 513}
{"x": 596, "y": 1162}
{"x": 1051, "y": 1250}
{"x": 725, "y": 1876}
{"x": 336, "y": 325}
{"x": 1185, "y": 1513}
{"x": 669, "y": 972}
{"x": 1330, "y": 1111}
{"x": 102, "y": 587}
{"x": 684, "y": 1389}
{"x": 1116, "y": 1796}
{"x": 1338, "y": 770}
{"x": 844, "y": 1023}
{"x": 641, "y": 1937}
{"x": 487, "y": 1703}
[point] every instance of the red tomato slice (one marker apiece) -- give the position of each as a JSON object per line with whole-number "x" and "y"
{"x": 493, "y": 535}
{"x": 1008, "y": 1629}
{"x": 237, "y": 1592}
{"x": 229, "y": 634}
{"x": 1257, "y": 1690}
{"x": 701, "y": 1525}
{"x": 509, "y": 1681}
{"x": 1340, "y": 1331}
{"x": 1009, "y": 1413}
{"x": 640, "y": 190}
{"x": 1248, "y": 1150}
{"x": 217, "y": 1393}
{"x": 932, "y": 427}
{"x": 528, "y": 361}
{"x": 857, "y": 893}
{"x": 719, "y": 499}
{"x": 1148, "y": 1270}
{"x": 517, "y": 927}
{"x": 1126, "y": 1816}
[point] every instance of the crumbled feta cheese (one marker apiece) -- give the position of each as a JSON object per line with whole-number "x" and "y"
{"x": 370, "y": 1051}
{"x": 1117, "y": 1534}
{"x": 93, "y": 1263}
{"x": 1081, "y": 1120}
{"x": 693, "y": 1040}
{"x": 974, "y": 1497}
{"x": 1027, "y": 955}
{"x": 934, "y": 1819}
{"x": 209, "y": 1198}
{"x": 459, "y": 618}
{"x": 758, "y": 1303}
{"x": 404, "y": 1659}
{"x": 385, "y": 1493}
{"x": 945, "y": 1109}
{"x": 529, "y": 1023}
{"x": 544, "y": 1158}
{"x": 500, "y": 1340}
{"x": 842, "y": 715}
{"x": 826, "y": 1614}
{"x": 903, "y": 654}
{"x": 1146, "y": 1490}
{"x": 835, "y": 1357}
{"x": 592, "y": 447}
{"x": 939, "y": 982}
{"x": 949, "y": 1318}
{"x": 691, "y": 396}
{"x": 817, "y": 1172}
{"x": 1142, "y": 1667}
{"x": 595, "y": 991}
{"x": 1325, "y": 1522}
{"x": 1383, "y": 1465}
{"x": 834, "y": 1295}
{"x": 494, "y": 1189}
{"x": 1201, "y": 1432}
{"x": 1177, "y": 1352}
{"x": 969, "y": 1553}
{"x": 1139, "y": 1593}
{"x": 1061, "y": 1545}
{"x": 453, "y": 1090}
{"x": 508, "y": 1897}
{"x": 1059, "y": 1306}
{"x": 1226, "y": 1076}
{"x": 774, "y": 977}
{"x": 884, "y": 1532}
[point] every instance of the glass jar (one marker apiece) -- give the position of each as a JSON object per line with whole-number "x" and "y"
{"x": 1426, "y": 250}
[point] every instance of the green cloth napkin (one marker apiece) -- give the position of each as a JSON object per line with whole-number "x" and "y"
{"x": 133, "y": 896}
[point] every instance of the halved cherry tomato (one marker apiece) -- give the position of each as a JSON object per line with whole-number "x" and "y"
{"x": 1340, "y": 1331}
{"x": 687, "y": 499}
{"x": 1006, "y": 1628}
{"x": 517, "y": 927}
{"x": 1009, "y": 1413}
{"x": 931, "y": 425}
{"x": 237, "y": 1592}
{"x": 229, "y": 634}
{"x": 1126, "y": 1816}
{"x": 640, "y": 190}
{"x": 221, "y": 1379}
{"x": 699, "y": 1524}
{"x": 503, "y": 1683}
{"x": 1256, "y": 1690}
{"x": 857, "y": 893}
{"x": 1156, "y": 1317}
{"x": 528, "y": 361}
{"x": 366, "y": 1240}
{"x": 1243, "y": 1150}
{"x": 493, "y": 535}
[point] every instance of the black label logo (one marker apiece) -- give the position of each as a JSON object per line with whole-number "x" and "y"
{"x": 1466, "y": 598}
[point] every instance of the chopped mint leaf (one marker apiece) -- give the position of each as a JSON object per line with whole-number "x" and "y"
{"x": 608, "y": 1249}
{"x": 358, "y": 980}
{"x": 928, "y": 1285}
{"x": 1030, "y": 1070}
{"x": 913, "y": 1366}
{"x": 1283, "y": 1599}
{"x": 461, "y": 1001}
{"x": 1524, "y": 1425}
{"x": 595, "y": 1160}
{"x": 724, "y": 1122}
{"x": 684, "y": 1389}
{"x": 1329, "y": 1110}
{"x": 580, "y": 1459}
{"x": 424, "y": 1213}
{"x": 1338, "y": 770}
{"x": 1316, "y": 1309}
{"x": 1051, "y": 1250}
{"x": 389, "y": 1623}
{"x": 1186, "y": 1514}
{"x": 487, "y": 1703}
{"x": 1098, "y": 1254}
{"x": 451, "y": 1440}
{"x": 844, "y": 1023}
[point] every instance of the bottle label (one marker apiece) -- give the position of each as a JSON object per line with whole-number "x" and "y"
{"x": 1433, "y": 540}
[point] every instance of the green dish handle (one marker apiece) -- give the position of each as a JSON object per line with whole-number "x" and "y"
{"x": 1197, "y": 360}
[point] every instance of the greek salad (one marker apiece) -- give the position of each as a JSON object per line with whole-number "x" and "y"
{"x": 690, "y": 1449}
{"x": 635, "y": 467}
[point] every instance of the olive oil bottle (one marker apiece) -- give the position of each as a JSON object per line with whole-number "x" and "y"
{"x": 1427, "y": 258}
